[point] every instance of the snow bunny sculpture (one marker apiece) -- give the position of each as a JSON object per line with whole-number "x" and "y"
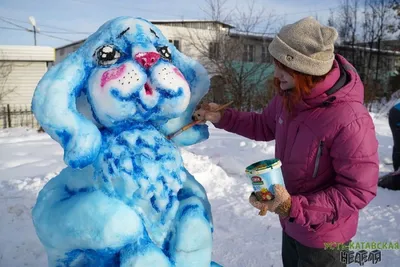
{"x": 125, "y": 198}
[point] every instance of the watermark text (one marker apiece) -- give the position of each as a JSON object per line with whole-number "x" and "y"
{"x": 363, "y": 246}
{"x": 361, "y": 257}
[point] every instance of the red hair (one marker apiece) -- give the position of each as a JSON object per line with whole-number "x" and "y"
{"x": 303, "y": 84}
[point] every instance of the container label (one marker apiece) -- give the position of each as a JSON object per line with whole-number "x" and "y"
{"x": 256, "y": 180}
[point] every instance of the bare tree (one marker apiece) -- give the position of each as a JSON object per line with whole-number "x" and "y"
{"x": 331, "y": 19}
{"x": 5, "y": 71}
{"x": 354, "y": 24}
{"x": 363, "y": 25}
{"x": 368, "y": 34}
{"x": 229, "y": 53}
{"x": 346, "y": 21}
{"x": 395, "y": 4}
{"x": 378, "y": 16}
{"x": 383, "y": 12}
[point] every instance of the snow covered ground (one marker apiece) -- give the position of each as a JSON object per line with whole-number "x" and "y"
{"x": 242, "y": 238}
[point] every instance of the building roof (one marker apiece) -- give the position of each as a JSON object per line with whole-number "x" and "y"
{"x": 162, "y": 22}
{"x": 180, "y": 21}
{"x": 71, "y": 44}
{"x": 391, "y": 52}
{"x": 27, "y": 53}
{"x": 252, "y": 35}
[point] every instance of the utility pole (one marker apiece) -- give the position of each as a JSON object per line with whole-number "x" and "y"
{"x": 33, "y": 22}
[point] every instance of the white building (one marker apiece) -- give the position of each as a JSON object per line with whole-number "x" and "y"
{"x": 21, "y": 68}
{"x": 63, "y": 51}
{"x": 181, "y": 33}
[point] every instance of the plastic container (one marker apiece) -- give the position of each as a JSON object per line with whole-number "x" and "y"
{"x": 264, "y": 175}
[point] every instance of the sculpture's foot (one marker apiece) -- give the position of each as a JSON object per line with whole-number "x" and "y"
{"x": 84, "y": 257}
{"x": 144, "y": 254}
{"x": 192, "y": 242}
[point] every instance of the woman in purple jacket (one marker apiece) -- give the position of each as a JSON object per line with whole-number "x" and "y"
{"x": 325, "y": 139}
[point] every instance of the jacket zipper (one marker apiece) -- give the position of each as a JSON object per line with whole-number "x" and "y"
{"x": 319, "y": 154}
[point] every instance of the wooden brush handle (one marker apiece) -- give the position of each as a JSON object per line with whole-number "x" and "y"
{"x": 222, "y": 107}
{"x": 193, "y": 123}
{"x": 263, "y": 212}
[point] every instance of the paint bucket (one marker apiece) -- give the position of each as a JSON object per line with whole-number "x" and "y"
{"x": 264, "y": 175}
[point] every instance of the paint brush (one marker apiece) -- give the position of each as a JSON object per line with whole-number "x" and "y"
{"x": 193, "y": 123}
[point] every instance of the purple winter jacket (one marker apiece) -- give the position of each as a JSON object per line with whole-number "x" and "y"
{"x": 329, "y": 155}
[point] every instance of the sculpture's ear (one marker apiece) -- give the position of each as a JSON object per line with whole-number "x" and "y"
{"x": 199, "y": 82}
{"x": 54, "y": 106}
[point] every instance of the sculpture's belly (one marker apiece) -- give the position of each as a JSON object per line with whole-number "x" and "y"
{"x": 146, "y": 172}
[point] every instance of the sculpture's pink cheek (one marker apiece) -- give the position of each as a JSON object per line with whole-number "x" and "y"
{"x": 179, "y": 73}
{"x": 112, "y": 74}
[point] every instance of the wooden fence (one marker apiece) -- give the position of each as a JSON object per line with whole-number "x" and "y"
{"x": 17, "y": 116}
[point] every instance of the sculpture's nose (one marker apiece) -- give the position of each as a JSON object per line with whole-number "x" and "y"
{"x": 147, "y": 59}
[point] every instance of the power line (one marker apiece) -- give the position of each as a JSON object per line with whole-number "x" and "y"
{"x": 52, "y": 36}
{"x": 15, "y": 29}
{"x": 40, "y": 32}
{"x": 22, "y": 28}
{"x": 67, "y": 32}
{"x": 43, "y": 25}
{"x": 12, "y": 23}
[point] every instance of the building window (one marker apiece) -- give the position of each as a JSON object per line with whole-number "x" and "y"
{"x": 391, "y": 64}
{"x": 176, "y": 43}
{"x": 213, "y": 50}
{"x": 248, "y": 53}
{"x": 76, "y": 47}
{"x": 265, "y": 56}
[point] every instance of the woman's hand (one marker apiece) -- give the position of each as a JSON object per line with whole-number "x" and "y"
{"x": 280, "y": 205}
{"x": 207, "y": 113}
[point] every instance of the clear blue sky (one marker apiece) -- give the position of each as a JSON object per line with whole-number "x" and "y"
{"x": 73, "y": 20}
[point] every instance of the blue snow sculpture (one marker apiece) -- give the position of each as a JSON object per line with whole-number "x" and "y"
{"x": 125, "y": 198}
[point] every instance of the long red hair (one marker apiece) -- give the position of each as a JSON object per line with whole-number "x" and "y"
{"x": 303, "y": 84}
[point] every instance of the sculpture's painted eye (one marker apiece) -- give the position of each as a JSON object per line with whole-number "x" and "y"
{"x": 164, "y": 52}
{"x": 107, "y": 55}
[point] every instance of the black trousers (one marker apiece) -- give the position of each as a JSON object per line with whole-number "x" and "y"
{"x": 295, "y": 254}
{"x": 394, "y": 123}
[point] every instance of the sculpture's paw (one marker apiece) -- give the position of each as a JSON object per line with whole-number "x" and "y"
{"x": 192, "y": 243}
{"x": 67, "y": 217}
{"x": 82, "y": 150}
{"x": 142, "y": 254}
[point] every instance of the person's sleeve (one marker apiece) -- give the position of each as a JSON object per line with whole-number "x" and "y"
{"x": 255, "y": 126}
{"x": 354, "y": 154}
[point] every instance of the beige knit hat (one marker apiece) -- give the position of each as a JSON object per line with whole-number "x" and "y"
{"x": 305, "y": 46}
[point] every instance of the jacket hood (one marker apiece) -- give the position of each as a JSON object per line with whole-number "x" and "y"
{"x": 342, "y": 84}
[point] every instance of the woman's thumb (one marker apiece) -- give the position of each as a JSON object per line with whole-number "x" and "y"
{"x": 212, "y": 116}
{"x": 213, "y": 106}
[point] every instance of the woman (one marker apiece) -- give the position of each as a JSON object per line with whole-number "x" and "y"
{"x": 325, "y": 139}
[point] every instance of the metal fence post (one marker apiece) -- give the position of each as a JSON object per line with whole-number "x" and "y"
{"x": 32, "y": 117}
{"x": 9, "y": 115}
{"x": 4, "y": 117}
